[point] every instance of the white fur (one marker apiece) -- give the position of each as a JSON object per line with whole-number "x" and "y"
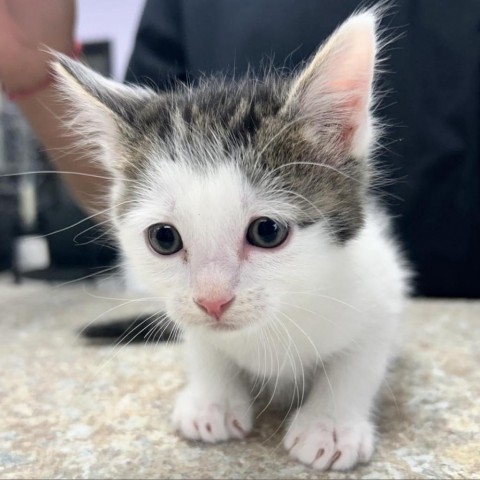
{"x": 313, "y": 318}
{"x": 313, "y": 323}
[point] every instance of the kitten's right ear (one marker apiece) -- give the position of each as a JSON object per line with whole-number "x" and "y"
{"x": 103, "y": 112}
{"x": 334, "y": 91}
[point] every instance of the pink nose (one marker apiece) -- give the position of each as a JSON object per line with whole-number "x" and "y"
{"x": 216, "y": 307}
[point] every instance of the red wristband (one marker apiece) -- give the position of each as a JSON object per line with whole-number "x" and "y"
{"x": 22, "y": 94}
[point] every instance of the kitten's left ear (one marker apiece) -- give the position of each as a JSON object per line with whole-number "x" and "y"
{"x": 103, "y": 111}
{"x": 334, "y": 91}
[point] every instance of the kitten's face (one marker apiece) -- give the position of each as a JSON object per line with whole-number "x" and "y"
{"x": 232, "y": 243}
{"x": 229, "y": 197}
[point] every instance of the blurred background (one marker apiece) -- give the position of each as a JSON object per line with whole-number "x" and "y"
{"x": 430, "y": 88}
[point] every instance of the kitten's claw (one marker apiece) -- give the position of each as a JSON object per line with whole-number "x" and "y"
{"x": 210, "y": 421}
{"x": 324, "y": 444}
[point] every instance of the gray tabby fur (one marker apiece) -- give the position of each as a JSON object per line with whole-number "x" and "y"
{"x": 249, "y": 121}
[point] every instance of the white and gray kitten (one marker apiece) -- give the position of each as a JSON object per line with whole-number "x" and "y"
{"x": 246, "y": 206}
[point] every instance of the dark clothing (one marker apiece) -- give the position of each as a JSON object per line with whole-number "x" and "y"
{"x": 433, "y": 83}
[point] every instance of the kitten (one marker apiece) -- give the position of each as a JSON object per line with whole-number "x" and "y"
{"x": 246, "y": 206}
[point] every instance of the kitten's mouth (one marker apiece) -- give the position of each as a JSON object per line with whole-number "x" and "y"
{"x": 222, "y": 326}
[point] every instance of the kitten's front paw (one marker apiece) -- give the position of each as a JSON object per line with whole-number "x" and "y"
{"x": 324, "y": 444}
{"x": 197, "y": 417}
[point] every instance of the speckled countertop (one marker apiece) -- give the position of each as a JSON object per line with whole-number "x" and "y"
{"x": 69, "y": 409}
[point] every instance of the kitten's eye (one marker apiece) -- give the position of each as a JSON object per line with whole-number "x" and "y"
{"x": 164, "y": 238}
{"x": 266, "y": 233}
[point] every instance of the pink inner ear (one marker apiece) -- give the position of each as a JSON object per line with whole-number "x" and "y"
{"x": 346, "y": 105}
{"x": 347, "y": 88}
{"x": 355, "y": 111}
{"x": 336, "y": 87}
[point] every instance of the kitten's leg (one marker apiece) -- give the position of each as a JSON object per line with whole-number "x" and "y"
{"x": 215, "y": 405}
{"x": 333, "y": 428}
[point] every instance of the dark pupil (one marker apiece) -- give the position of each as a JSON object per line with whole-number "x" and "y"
{"x": 268, "y": 231}
{"x": 165, "y": 237}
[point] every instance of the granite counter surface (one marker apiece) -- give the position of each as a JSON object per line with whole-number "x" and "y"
{"x": 70, "y": 409}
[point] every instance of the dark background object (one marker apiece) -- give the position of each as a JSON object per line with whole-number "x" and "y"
{"x": 98, "y": 56}
{"x": 129, "y": 330}
{"x": 7, "y": 234}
